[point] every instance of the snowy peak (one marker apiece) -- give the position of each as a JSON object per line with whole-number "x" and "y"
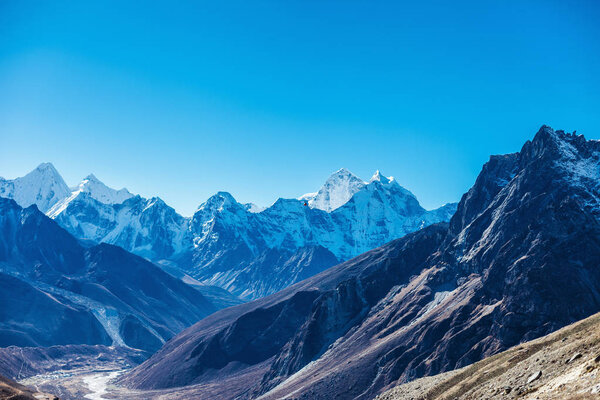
{"x": 552, "y": 145}
{"x": 99, "y": 191}
{"x": 46, "y": 168}
{"x": 308, "y": 196}
{"x": 218, "y": 202}
{"x": 379, "y": 177}
{"x": 342, "y": 185}
{"x": 43, "y": 187}
{"x": 574, "y": 158}
{"x": 253, "y": 208}
{"x": 337, "y": 190}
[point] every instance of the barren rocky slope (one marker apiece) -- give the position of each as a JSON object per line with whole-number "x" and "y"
{"x": 562, "y": 365}
{"x": 11, "y": 390}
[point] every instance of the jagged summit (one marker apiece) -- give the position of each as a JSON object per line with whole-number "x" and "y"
{"x": 342, "y": 172}
{"x": 379, "y": 177}
{"x": 156, "y": 201}
{"x": 43, "y": 187}
{"x": 90, "y": 188}
{"x": 253, "y": 208}
{"x": 218, "y": 201}
{"x": 519, "y": 260}
{"x": 99, "y": 191}
{"x": 240, "y": 247}
{"x": 47, "y": 166}
{"x": 337, "y": 190}
{"x": 558, "y": 144}
{"x": 342, "y": 185}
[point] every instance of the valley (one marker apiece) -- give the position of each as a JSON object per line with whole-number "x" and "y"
{"x": 196, "y": 200}
{"x": 435, "y": 300}
{"x": 429, "y": 304}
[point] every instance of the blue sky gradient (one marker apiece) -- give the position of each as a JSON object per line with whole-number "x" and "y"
{"x": 266, "y": 99}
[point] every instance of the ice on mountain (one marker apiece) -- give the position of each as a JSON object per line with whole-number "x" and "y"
{"x": 43, "y": 187}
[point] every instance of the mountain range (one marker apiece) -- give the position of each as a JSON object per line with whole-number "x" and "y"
{"x": 518, "y": 260}
{"x": 55, "y": 291}
{"x": 245, "y": 249}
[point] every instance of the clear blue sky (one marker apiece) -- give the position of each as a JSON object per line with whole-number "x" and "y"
{"x": 266, "y": 99}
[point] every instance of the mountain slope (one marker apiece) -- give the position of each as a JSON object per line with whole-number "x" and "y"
{"x": 146, "y": 227}
{"x": 337, "y": 190}
{"x": 43, "y": 187}
{"x": 243, "y": 248}
{"x": 243, "y": 252}
{"x": 60, "y": 292}
{"x": 11, "y": 390}
{"x": 30, "y": 317}
{"x": 252, "y": 334}
{"x": 568, "y": 360}
{"x": 440, "y": 298}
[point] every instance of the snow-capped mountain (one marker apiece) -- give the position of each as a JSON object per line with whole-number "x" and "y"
{"x": 337, "y": 190}
{"x": 90, "y": 186}
{"x": 101, "y": 192}
{"x": 249, "y": 250}
{"x": 253, "y": 208}
{"x": 43, "y": 187}
{"x": 256, "y": 254}
{"x": 96, "y": 212}
{"x": 519, "y": 259}
{"x": 146, "y": 227}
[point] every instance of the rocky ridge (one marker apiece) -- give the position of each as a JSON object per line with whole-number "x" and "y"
{"x": 437, "y": 299}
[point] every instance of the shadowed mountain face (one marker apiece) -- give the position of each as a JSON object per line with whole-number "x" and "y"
{"x": 53, "y": 291}
{"x": 518, "y": 260}
{"x": 30, "y": 317}
{"x": 253, "y": 333}
{"x": 242, "y": 248}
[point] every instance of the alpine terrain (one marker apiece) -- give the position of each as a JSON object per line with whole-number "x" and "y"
{"x": 242, "y": 248}
{"x": 518, "y": 260}
{"x": 54, "y": 291}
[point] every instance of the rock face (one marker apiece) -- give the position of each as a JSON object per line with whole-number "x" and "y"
{"x": 54, "y": 291}
{"x": 243, "y": 248}
{"x": 507, "y": 375}
{"x": 518, "y": 260}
